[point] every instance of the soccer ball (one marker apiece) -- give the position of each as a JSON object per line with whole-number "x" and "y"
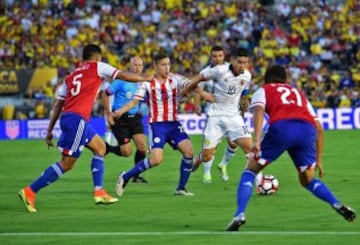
{"x": 268, "y": 186}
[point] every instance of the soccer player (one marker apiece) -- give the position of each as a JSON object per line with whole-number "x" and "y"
{"x": 217, "y": 57}
{"x": 292, "y": 129}
{"x": 75, "y": 105}
{"x": 162, "y": 97}
{"x": 129, "y": 125}
{"x": 231, "y": 84}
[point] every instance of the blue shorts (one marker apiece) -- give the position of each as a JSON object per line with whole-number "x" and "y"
{"x": 166, "y": 132}
{"x": 294, "y": 136}
{"x": 76, "y": 133}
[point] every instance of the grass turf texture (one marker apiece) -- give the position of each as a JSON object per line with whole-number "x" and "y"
{"x": 152, "y": 214}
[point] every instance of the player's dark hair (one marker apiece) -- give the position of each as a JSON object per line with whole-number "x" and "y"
{"x": 240, "y": 52}
{"x": 216, "y": 48}
{"x": 157, "y": 56}
{"x": 90, "y": 50}
{"x": 275, "y": 74}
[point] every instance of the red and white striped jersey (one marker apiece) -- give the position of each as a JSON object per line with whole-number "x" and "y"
{"x": 162, "y": 98}
{"x": 82, "y": 86}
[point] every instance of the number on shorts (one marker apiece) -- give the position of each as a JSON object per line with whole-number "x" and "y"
{"x": 181, "y": 129}
{"x": 246, "y": 129}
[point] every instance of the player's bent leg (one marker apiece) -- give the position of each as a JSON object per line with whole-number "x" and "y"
{"x": 50, "y": 175}
{"x": 140, "y": 154}
{"x": 197, "y": 162}
{"x": 321, "y": 191}
{"x": 207, "y": 159}
{"x": 244, "y": 193}
{"x": 97, "y": 145}
{"x": 229, "y": 153}
{"x": 185, "y": 147}
{"x": 155, "y": 158}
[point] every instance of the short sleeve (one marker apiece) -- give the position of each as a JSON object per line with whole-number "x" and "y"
{"x": 60, "y": 92}
{"x": 141, "y": 91}
{"x": 107, "y": 71}
{"x": 311, "y": 110}
{"x": 247, "y": 85}
{"x": 181, "y": 80}
{"x": 258, "y": 98}
{"x": 211, "y": 73}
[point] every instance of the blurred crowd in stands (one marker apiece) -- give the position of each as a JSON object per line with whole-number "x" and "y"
{"x": 318, "y": 41}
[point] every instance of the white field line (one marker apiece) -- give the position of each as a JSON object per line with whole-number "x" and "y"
{"x": 181, "y": 233}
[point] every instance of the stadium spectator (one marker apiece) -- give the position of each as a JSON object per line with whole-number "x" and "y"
{"x": 309, "y": 35}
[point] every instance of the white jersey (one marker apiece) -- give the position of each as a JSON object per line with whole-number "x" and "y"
{"x": 162, "y": 98}
{"x": 208, "y": 85}
{"x": 228, "y": 89}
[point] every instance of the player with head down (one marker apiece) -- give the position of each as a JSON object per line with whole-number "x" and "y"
{"x": 292, "y": 129}
{"x": 75, "y": 104}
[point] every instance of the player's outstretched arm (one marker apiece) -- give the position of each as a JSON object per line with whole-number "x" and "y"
{"x": 192, "y": 84}
{"x": 132, "y": 77}
{"x": 118, "y": 113}
{"x": 197, "y": 101}
{"x": 209, "y": 97}
{"x": 55, "y": 113}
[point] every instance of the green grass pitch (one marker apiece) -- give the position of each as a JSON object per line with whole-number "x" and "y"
{"x": 151, "y": 213}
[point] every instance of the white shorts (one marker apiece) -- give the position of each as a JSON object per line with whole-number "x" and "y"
{"x": 217, "y": 127}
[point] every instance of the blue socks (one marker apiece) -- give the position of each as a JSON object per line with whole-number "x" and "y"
{"x": 97, "y": 171}
{"x": 321, "y": 191}
{"x": 185, "y": 171}
{"x": 50, "y": 175}
{"x": 244, "y": 191}
{"x": 142, "y": 166}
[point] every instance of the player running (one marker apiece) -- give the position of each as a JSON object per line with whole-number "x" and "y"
{"x": 129, "y": 125}
{"x": 292, "y": 129}
{"x": 75, "y": 105}
{"x": 217, "y": 57}
{"x": 231, "y": 85}
{"x": 162, "y": 97}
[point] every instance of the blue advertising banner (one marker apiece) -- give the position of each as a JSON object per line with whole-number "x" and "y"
{"x": 37, "y": 129}
{"x": 331, "y": 119}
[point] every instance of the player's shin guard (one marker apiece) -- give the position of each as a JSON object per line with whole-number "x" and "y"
{"x": 140, "y": 167}
{"x": 207, "y": 165}
{"x": 321, "y": 191}
{"x": 185, "y": 171}
{"x": 229, "y": 154}
{"x": 50, "y": 175}
{"x": 97, "y": 171}
{"x": 244, "y": 191}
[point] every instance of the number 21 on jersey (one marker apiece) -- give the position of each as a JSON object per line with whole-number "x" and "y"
{"x": 286, "y": 94}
